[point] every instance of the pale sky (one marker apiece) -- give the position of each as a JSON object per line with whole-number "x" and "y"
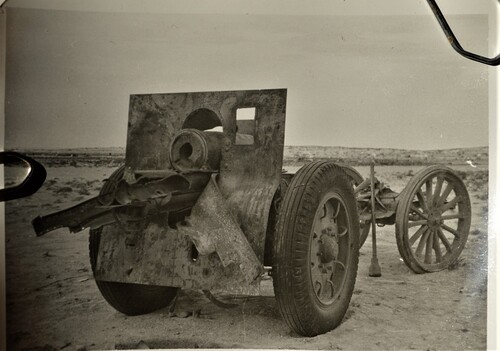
{"x": 359, "y": 81}
{"x": 266, "y": 7}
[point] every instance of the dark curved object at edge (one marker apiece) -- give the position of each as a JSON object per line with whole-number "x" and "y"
{"x": 30, "y": 184}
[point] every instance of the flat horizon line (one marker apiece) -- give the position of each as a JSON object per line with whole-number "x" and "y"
{"x": 309, "y": 146}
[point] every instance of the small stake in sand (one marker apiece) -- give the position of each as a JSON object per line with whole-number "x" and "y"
{"x": 374, "y": 270}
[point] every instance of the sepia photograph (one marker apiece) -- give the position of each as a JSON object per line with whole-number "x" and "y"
{"x": 240, "y": 174}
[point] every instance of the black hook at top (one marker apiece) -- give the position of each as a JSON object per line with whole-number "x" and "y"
{"x": 454, "y": 42}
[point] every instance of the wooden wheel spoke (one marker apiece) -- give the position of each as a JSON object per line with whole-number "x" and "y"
{"x": 444, "y": 240}
{"x": 450, "y": 204}
{"x": 428, "y": 191}
{"x": 437, "y": 190}
{"x": 418, "y": 211}
{"x": 421, "y": 243}
{"x": 417, "y": 234}
{"x": 452, "y": 216}
{"x": 415, "y": 223}
{"x": 449, "y": 229}
{"x": 428, "y": 247}
{"x": 445, "y": 193}
{"x": 437, "y": 248}
{"x": 421, "y": 201}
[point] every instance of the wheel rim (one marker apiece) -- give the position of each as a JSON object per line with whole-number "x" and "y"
{"x": 329, "y": 249}
{"x": 437, "y": 221}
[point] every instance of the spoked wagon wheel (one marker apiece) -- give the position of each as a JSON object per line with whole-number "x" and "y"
{"x": 127, "y": 298}
{"x": 433, "y": 220}
{"x": 316, "y": 249}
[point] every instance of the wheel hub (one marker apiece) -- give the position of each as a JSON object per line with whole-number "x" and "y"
{"x": 435, "y": 219}
{"x": 328, "y": 248}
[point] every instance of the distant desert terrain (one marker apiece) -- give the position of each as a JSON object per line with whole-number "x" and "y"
{"x": 293, "y": 156}
{"x": 53, "y": 302}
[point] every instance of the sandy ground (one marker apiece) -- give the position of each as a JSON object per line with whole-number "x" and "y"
{"x": 53, "y": 302}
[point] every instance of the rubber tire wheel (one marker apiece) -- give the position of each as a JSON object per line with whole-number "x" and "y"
{"x": 293, "y": 287}
{"x": 127, "y": 298}
{"x": 405, "y": 202}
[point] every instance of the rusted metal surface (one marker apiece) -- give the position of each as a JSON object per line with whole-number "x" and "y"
{"x": 212, "y": 228}
{"x": 75, "y": 218}
{"x": 249, "y": 174}
{"x": 154, "y": 119}
{"x": 154, "y": 192}
{"x": 143, "y": 189}
{"x": 164, "y": 256}
{"x": 161, "y": 255}
{"x": 221, "y": 247}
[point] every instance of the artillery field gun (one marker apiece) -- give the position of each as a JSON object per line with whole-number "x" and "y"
{"x": 202, "y": 203}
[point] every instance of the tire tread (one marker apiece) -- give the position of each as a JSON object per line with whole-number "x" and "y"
{"x": 292, "y": 246}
